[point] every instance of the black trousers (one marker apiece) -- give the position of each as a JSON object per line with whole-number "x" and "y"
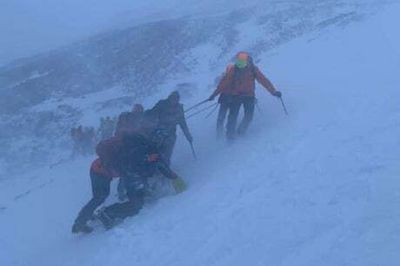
{"x": 223, "y": 110}
{"x": 237, "y": 101}
{"x": 248, "y": 106}
{"x": 100, "y": 191}
{"x": 135, "y": 189}
{"x": 168, "y": 147}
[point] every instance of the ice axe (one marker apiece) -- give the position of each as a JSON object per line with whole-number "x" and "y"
{"x": 283, "y": 105}
{"x": 193, "y": 151}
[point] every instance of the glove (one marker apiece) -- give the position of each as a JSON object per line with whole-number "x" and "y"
{"x": 211, "y": 98}
{"x": 179, "y": 185}
{"x": 277, "y": 94}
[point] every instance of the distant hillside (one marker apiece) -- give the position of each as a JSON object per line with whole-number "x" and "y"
{"x": 136, "y": 62}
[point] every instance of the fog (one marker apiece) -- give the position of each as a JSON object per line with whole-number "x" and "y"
{"x": 316, "y": 186}
{"x": 33, "y": 26}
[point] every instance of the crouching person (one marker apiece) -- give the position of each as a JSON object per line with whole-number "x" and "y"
{"x": 134, "y": 157}
{"x": 100, "y": 179}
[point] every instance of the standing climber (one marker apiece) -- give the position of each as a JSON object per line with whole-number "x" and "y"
{"x": 169, "y": 113}
{"x": 237, "y": 88}
{"x": 78, "y": 137}
{"x": 75, "y": 141}
{"x": 89, "y": 140}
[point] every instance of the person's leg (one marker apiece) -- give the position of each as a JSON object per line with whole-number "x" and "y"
{"x": 86, "y": 148}
{"x": 234, "y": 108}
{"x": 168, "y": 147}
{"x": 100, "y": 191}
{"x": 223, "y": 109}
{"x": 75, "y": 149}
{"x": 121, "y": 189}
{"x": 136, "y": 191}
{"x": 82, "y": 146}
{"x": 135, "y": 187}
{"x": 130, "y": 208}
{"x": 248, "y": 104}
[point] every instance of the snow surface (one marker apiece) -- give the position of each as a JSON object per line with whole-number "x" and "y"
{"x": 317, "y": 187}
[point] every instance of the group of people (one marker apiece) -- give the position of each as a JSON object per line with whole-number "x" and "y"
{"x": 83, "y": 140}
{"x": 106, "y": 128}
{"x": 141, "y": 147}
{"x": 144, "y": 140}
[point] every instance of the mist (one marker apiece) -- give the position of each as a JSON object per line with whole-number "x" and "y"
{"x": 313, "y": 181}
{"x": 35, "y": 26}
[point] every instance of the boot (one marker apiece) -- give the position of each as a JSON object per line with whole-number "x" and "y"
{"x": 81, "y": 228}
{"x": 105, "y": 219}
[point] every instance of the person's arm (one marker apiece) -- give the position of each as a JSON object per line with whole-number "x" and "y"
{"x": 224, "y": 83}
{"x": 177, "y": 182}
{"x": 156, "y": 108}
{"x": 265, "y": 82}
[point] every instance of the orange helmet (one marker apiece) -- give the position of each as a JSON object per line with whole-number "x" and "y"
{"x": 242, "y": 56}
{"x": 242, "y": 59}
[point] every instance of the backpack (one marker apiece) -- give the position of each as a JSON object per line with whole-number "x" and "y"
{"x": 109, "y": 150}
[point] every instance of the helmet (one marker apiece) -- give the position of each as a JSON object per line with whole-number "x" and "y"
{"x": 242, "y": 59}
{"x": 174, "y": 97}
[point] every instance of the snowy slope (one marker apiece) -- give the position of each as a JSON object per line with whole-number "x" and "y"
{"x": 44, "y": 96}
{"x": 317, "y": 187}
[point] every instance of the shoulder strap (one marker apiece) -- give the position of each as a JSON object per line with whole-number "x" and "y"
{"x": 230, "y": 67}
{"x": 252, "y": 67}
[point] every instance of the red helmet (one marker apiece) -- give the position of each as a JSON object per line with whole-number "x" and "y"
{"x": 242, "y": 59}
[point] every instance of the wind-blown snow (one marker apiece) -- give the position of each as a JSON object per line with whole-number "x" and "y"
{"x": 37, "y": 26}
{"x": 44, "y": 96}
{"x": 317, "y": 187}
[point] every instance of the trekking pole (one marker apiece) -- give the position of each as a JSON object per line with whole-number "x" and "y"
{"x": 58, "y": 162}
{"x": 284, "y": 107}
{"x": 258, "y": 107}
{"x": 212, "y": 111}
{"x": 202, "y": 110}
{"x": 196, "y": 105}
{"x": 193, "y": 151}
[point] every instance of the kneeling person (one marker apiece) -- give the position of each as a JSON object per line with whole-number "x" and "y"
{"x": 134, "y": 157}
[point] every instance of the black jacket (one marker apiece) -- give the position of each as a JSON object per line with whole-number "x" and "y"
{"x": 128, "y": 122}
{"x": 140, "y": 157}
{"x": 169, "y": 116}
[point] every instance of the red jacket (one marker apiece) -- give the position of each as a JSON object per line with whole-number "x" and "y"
{"x": 109, "y": 152}
{"x": 132, "y": 154}
{"x": 98, "y": 168}
{"x": 242, "y": 81}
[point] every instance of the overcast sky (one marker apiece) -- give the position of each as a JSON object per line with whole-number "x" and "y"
{"x": 31, "y": 26}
